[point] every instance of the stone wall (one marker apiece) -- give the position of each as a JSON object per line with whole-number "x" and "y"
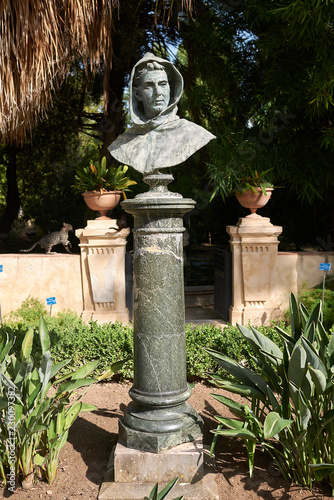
{"x": 59, "y": 275}
{"x": 41, "y": 276}
{"x": 298, "y": 270}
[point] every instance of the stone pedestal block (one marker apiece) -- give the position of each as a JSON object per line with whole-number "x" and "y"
{"x": 103, "y": 271}
{"x": 132, "y": 474}
{"x": 254, "y": 245}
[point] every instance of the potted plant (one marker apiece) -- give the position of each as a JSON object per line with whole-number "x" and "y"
{"x": 252, "y": 187}
{"x": 254, "y": 190}
{"x": 102, "y": 186}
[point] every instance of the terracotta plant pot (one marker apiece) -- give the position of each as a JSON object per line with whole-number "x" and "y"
{"x": 102, "y": 202}
{"x": 253, "y": 200}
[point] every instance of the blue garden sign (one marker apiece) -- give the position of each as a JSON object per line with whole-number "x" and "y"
{"x": 325, "y": 266}
{"x": 50, "y": 301}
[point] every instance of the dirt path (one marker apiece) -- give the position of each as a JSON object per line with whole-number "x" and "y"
{"x": 84, "y": 458}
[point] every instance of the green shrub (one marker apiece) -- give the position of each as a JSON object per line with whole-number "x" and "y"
{"x": 290, "y": 397}
{"x": 34, "y": 425}
{"x": 70, "y": 337}
{"x": 227, "y": 340}
{"x": 313, "y": 296}
{"x": 107, "y": 342}
{"x": 28, "y": 314}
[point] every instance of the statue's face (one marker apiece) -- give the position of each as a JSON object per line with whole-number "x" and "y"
{"x": 154, "y": 92}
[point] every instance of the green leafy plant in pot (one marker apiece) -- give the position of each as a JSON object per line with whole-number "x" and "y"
{"x": 251, "y": 186}
{"x": 102, "y": 186}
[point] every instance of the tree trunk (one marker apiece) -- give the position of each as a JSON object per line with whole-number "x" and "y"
{"x": 13, "y": 197}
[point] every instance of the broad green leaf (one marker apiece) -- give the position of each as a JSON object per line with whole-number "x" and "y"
{"x": 7, "y": 382}
{"x": 319, "y": 380}
{"x": 37, "y": 428}
{"x": 274, "y": 424}
{"x": 330, "y": 350}
{"x": 5, "y": 346}
{"x": 81, "y": 372}
{"x": 290, "y": 340}
{"x": 322, "y": 333}
{"x": 32, "y": 397}
{"x": 240, "y": 372}
{"x": 312, "y": 356}
{"x": 236, "y": 433}
{"x": 71, "y": 414}
{"x": 273, "y": 401}
{"x": 304, "y": 314}
{"x": 297, "y": 366}
{"x": 3, "y": 403}
{"x": 70, "y": 385}
{"x": 235, "y": 407}
{"x": 44, "y": 336}
{"x": 18, "y": 412}
{"x": 322, "y": 470}
{"x": 259, "y": 341}
{"x": 154, "y": 493}
{"x": 242, "y": 389}
{"x": 61, "y": 443}
{"x": 45, "y": 372}
{"x": 300, "y": 404}
{"x": 87, "y": 407}
{"x": 52, "y": 430}
{"x": 314, "y": 317}
{"x": 230, "y": 423}
{"x": 60, "y": 421}
{"x": 111, "y": 370}
{"x": 56, "y": 368}
{"x": 27, "y": 344}
{"x": 295, "y": 321}
{"x": 164, "y": 492}
{"x": 25, "y": 368}
{"x": 39, "y": 460}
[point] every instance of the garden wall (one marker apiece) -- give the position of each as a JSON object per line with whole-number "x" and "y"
{"x": 296, "y": 270}
{"x": 41, "y": 276}
{"x": 59, "y": 276}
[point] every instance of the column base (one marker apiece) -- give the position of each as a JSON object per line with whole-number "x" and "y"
{"x": 150, "y": 433}
{"x": 131, "y": 474}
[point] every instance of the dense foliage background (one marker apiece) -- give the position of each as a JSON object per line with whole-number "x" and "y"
{"x": 259, "y": 75}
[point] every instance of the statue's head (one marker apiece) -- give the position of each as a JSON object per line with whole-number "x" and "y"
{"x": 155, "y": 88}
{"x": 151, "y": 88}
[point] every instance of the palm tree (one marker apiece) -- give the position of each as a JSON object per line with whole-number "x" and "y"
{"x": 41, "y": 39}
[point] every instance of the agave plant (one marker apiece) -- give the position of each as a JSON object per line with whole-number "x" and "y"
{"x": 290, "y": 397}
{"x": 101, "y": 178}
{"x": 156, "y": 495}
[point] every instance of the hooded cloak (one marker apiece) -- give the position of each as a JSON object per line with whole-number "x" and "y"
{"x": 162, "y": 141}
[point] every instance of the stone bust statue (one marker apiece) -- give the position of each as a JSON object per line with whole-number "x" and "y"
{"x": 158, "y": 137}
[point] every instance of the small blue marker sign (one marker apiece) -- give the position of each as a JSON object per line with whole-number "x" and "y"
{"x": 325, "y": 267}
{"x": 1, "y": 268}
{"x": 50, "y": 301}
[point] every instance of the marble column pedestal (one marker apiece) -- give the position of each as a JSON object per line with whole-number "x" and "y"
{"x": 159, "y": 417}
{"x": 160, "y": 435}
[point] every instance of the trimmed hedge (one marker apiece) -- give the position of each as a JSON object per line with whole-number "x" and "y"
{"x": 110, "y": 342}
